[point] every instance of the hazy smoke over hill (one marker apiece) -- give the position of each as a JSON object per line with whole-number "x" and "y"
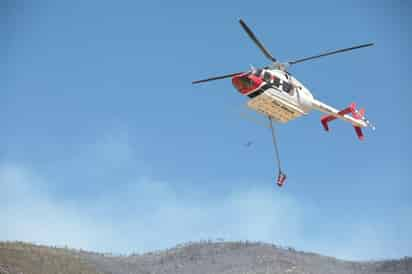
{"x": 164, "y": 214}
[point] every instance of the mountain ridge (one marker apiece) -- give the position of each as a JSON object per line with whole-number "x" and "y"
{"x": 194, "y": 257}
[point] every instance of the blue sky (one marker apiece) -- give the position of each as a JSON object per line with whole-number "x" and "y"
{"x": 106, "y": 145}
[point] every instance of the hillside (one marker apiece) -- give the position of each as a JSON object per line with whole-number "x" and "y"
{"x": 203, "y": 257}
{"x": 17, "y": 257}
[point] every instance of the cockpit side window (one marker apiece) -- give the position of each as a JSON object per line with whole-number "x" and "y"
{"x": 266, "y": 76}
{"x": 276, "y": 81}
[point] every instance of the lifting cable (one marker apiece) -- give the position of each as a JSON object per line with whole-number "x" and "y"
{"x": 281, "y": 176}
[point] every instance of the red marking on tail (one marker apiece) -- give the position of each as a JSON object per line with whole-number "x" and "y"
{"x": 350, "y": 109}
{"x": 359, "y": 132}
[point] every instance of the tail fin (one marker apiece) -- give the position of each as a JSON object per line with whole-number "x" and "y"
{"x": 359, "y": 115}
{"x": 359, "y": 133}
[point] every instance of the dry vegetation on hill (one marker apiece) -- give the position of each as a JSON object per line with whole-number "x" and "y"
{"x": 201, "y": 257}
{"x": 17, "y": 257}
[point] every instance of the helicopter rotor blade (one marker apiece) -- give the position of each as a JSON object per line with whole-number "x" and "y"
{"x": 216, "y": 78}
{"x": 329, "y": 53}
{"x": 257, "y": 42}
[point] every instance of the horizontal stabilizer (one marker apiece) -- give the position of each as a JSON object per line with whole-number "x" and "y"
{"x": 349, "y": 110}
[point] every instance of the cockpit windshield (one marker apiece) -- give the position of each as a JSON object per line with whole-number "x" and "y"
{"x": 245, "y": 82}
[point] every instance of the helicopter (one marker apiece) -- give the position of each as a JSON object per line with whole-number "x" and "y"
{"x": 273, "y": 92}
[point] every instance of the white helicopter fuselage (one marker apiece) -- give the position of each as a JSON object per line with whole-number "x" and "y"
{"x": 273, "y": 92}
{"x": 277, "y": 94}
{"x": 284, "y": 99}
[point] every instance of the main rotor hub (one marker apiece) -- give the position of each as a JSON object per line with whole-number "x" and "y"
{"x": 280, "y": 66}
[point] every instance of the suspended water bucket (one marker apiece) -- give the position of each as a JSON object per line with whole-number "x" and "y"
{"x": 281, "y": 179}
